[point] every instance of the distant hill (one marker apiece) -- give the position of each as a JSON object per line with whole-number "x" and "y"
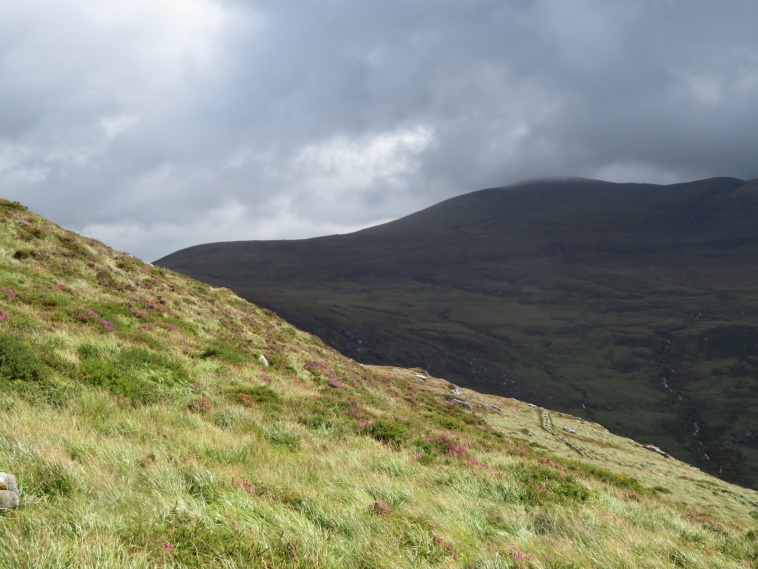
{"x": 634, "y": 305}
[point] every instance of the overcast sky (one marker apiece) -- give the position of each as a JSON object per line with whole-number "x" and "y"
{"x": 153, "y": 125}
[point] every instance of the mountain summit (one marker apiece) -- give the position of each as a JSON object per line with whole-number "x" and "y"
{"x": 633, "y": 305}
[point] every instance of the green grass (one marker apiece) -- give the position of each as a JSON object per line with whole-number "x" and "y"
{"x": 145, "y": 445}
{"x": 18, "y": 362}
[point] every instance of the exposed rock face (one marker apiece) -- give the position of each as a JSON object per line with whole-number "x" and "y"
{"x": 8, "y": 491}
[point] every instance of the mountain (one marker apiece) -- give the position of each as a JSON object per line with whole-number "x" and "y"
{"x": 633, "y": 305}
{"x": 154, "y": 421}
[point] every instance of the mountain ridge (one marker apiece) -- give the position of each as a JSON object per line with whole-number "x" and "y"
{"x": 496, "y": 289}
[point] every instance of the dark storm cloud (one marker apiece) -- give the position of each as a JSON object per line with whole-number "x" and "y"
{"x": 154, "y": 125}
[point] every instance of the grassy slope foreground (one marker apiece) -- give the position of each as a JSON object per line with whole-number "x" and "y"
{"x": 144, "y": 431}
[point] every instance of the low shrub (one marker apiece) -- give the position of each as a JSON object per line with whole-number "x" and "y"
{"x": 612, "y": 478}
{"x": 542, "y": 484}
{"x": 18, "y": 361}
{"x": 260, "y": 396}
{"x": 224, "y": 351}
{"x": 136, "y": 373}
{"x": 318, "y": 421}
{"x": 200, "y": 405}
{"x": 12, "y": 205}
{"x": 23, "y": 254}
{"x": 388, "y": 432}
{"x": 72, "y": 247}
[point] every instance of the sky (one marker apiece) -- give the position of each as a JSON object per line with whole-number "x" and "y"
{"x": 153, "y": 125}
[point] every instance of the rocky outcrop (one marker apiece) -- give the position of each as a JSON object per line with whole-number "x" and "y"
{"x": 659, "y": 451}
{"x": 464, "y": 404}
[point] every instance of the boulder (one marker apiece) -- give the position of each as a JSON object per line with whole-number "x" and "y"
{"x": 8, "y": 491}
{"x": 656, "y": 449}
{"x": 464, "y": 404}
{"x": 8, "y": 500}
{"x": 8, "y": 482}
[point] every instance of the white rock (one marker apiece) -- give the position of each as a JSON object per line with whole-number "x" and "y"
{"x": 8, "y": 482}
{"x": 263, "y": 360}
{"x": 8, "y": 491}
{"x": 8, "y": 500}
{"x": 659, "y": 451}
{"x": 464, "y": 404}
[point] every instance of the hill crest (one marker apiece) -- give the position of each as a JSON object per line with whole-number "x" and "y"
{"x": 592, "y": 297}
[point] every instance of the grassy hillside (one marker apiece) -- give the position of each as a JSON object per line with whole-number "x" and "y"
{"x": 146, "y": 430}
{"x": 633, "y": 305}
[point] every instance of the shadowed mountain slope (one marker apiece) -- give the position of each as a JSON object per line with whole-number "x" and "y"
{"x": 631, "y": 304}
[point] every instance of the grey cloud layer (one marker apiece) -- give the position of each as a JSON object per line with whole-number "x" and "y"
{"x": 154, "y": 125}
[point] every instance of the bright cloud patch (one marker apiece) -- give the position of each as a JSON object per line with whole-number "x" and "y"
{"x": 115, "y": 125}
{"x": 320, "y": 117}
{"x": 357, "y": 163}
